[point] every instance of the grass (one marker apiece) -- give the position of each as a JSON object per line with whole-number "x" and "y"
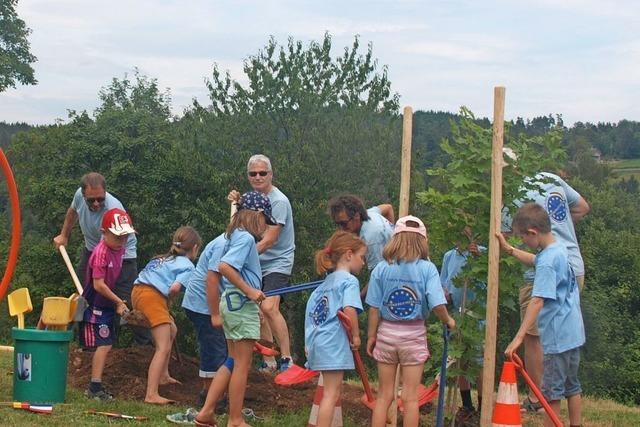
{"x": 625, "y": 164}
{"x": 596, "y": 412}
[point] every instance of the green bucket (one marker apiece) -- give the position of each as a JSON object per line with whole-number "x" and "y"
{"x": 40, "y": 360}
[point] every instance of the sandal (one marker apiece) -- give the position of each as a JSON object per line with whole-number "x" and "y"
{"x": 204, "y": 423}
{"x": 528, "y": 406}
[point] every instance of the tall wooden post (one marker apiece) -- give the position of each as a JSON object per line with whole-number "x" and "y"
{"x": 494, "y": 258}
{"x": 405, "y": 165}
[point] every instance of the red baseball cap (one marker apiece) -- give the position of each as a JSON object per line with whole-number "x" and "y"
{"x": 118, "y": 222}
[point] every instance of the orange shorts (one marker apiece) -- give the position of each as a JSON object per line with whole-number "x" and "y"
{"x": 152, "y": 304}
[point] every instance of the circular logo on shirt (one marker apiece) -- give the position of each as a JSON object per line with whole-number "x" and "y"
{"x": 556, "y": 207}
{"x": 320, "y": 311}
{"x": 402, "y": 302}
{"x": 103, "y": 331}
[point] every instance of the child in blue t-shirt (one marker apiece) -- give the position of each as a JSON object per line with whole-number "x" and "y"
{"x": 162, "y": 279}
{"x": 403, "y": 289}
{"x": 555, "y": 303}
{"x": 236, "y": 269}
{"x": 326, "y": 343}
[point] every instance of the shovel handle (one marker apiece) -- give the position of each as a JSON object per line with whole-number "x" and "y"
{"x": 72, "y": 272}
{"x": 346, "y": 323}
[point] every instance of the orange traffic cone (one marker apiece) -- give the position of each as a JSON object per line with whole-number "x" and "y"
{"x": 317, "y": 397}
{"x": 507, "y": 409}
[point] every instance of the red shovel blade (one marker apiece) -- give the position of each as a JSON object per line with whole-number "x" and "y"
{"x": 264, "y": 350}
{"x": 295, "y": 375}
{"x": 371, "y": 404}
{"x": 425, "y": 395}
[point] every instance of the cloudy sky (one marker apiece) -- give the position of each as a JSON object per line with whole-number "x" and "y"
{"x": 578, "y": 58}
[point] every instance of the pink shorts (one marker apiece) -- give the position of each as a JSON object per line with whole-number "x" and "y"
{"x": 403, "y": 343}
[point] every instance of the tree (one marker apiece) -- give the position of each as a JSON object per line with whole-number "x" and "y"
{"x": 14, "y": 48}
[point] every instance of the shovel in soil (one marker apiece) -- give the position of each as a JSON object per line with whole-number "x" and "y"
{"x": 368, "y": 399}
{"x": 81, "y": 303}
{"x": 19, "y": 304}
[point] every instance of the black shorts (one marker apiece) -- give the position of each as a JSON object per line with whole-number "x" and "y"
{"x": 273, "y": 281}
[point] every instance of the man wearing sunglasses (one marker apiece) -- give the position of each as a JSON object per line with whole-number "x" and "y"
{"x": 276, "y": 257}
{"x": 90, "y": 202}
{"x": 374, "y": 225}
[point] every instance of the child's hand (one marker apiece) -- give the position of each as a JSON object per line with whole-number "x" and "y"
{"x": 504, "y": 245}
{"x": 451, "y": 323}
{"x": 121, "y": 308}
{"x": 256, "y": 295}
{"x": 174, "y": 289}
{"x": 513, "y": 346}
{"x": 371, "y": 344}
{"x": 355, "y": 343}
{"x": 216, "y": 320}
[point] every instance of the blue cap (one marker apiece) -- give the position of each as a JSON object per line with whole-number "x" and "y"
{"x": 257, "y": 201}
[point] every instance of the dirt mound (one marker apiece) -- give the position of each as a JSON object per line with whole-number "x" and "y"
{"x": 125, "y": 376}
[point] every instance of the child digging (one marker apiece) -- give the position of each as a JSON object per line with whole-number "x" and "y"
{"x": 403, "y": 288}
{"x": 555, "y": 304}
{"x": 97, "y": 329}
{"x": 162, "y": 279}
{"x": 238, "y": 269}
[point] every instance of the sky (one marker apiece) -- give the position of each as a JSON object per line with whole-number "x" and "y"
{"x": 577, "y": 58}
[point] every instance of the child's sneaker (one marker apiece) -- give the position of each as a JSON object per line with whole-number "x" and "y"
{"x": 187, "y": 417}
{"x": 101, "y": 395}
{"x": 285, "y": 363}
{"x": 267, "y": 368}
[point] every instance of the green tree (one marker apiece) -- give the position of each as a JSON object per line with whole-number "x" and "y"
{"x": 15, "y": 57}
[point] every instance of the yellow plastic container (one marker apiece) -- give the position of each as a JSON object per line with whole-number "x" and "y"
{"x": 19, "y": 304}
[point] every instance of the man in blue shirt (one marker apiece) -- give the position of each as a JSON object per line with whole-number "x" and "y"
{"x": 89, "y": 204}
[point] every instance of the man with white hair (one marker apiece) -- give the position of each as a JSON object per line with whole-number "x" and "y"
{"x": 276, "y": 251}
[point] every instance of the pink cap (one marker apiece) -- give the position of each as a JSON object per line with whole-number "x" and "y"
{"x": 401, "y": 226}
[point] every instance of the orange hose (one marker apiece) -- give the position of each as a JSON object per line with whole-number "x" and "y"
{"x": 15, "y": 225}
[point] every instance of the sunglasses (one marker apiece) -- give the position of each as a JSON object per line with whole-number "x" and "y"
{"x": 261, "y": 173}
{"x": 92, "y": 200}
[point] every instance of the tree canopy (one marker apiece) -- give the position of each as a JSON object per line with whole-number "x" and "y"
{"x": 15, "y": 57}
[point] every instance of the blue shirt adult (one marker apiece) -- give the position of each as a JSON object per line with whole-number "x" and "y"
{"x": 453, "y": 262}
{"x": 375, "y": 232}
{"x": 239, "y": 251}
{"x": 556, "y": 197}
{"x": 325, "y": 338}
{"x": 161, "y": 273}
{"x": 560, "y": 319}
{"x": 405, "y": 290}
{"x": 279, "y": 257}
{"x": 91, "y": 222}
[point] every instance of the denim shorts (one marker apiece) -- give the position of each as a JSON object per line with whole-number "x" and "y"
{"x": 212, "y": 344}
{"x": 560, "y": 378}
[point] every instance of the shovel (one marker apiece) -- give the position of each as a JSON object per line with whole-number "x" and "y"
{"x": 81, "y": 303}
{"x": 19, "y": 304}
{"x": 236, "y": 299}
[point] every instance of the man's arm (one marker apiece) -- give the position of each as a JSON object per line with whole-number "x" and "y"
{"x": 269, "y": 239}
{"x": 69, "y": 221}
{"x": 579, "y": 210}
{"x": 386, "y": 211}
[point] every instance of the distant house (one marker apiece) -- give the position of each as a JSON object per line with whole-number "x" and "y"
{"x": 596, "y": 155}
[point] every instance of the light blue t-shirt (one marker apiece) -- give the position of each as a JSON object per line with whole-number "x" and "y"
{"x": 239, "y": 252}
{"x": 375, "y": 233}
{"x": 91, "y": 222}
{"x": 279, "y": 258}
{"x": 560, "y": 320}
{"x": 406, "y": 290}
{"x": 557, "y": 198}
{"x": 161, "y": 273}
{"x": 452, "y": 264}
{"x": 324, "y": 336}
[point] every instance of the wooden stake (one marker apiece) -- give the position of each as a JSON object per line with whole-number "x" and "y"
{"x": 405, "y": 165}
{"x": 488, "y": 376}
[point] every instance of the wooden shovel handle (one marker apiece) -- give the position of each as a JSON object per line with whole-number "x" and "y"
{"x": 72, "y": 272}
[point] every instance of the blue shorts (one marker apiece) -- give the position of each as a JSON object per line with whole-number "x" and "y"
{"x": 212, "y": 344}
{"x": 94, "y": 335}
{"x": 560, "y": 378}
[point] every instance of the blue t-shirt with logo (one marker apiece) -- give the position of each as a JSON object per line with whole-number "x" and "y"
{"x": 560, "y": 319}
{"x": 239, "y": 251}
{"x": 406, "y": 290}
{"x": 279, "y": 257}
{"x": 375, "y": 232}
{"x": 452, "y": 264}
{"x": 325, "y": 338}
{"x": 91, "y": 222}
{"x": 161, "y": 273}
